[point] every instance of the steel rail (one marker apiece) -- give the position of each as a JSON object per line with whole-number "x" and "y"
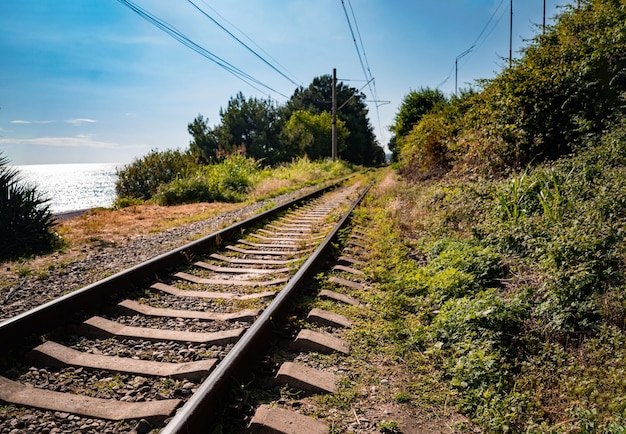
{"x": 199, "y": 410}
{"x": 90, "y": 298}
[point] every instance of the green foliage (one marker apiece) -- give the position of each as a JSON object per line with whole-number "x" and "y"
{"x": 251, "y": 125}
{"x": 305, "y": 172}
{"x": 25, "y": 217}
{"x": 424, "y": 149}
{"x": 361, "y": 146}
{"x": 536, "y": 344}
{"x": 568, "y": 84}
{"x": 308, "y": 134}
{"x": 415, "y": 105}
{"x": 141, "y": 178}
{"x": 513, "y": 199}
{"x": 226, "y": 181}
{"x": 455, "y": 269}
{"x": 205, "y": 144}
{"x": 124, "y": 202}
{"x": 388, "y": 427}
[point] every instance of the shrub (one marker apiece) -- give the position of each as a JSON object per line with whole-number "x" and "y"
{"x": 141, "y": 178}
{"x": 25, "y": 217}
{"x": 226, "y": 181}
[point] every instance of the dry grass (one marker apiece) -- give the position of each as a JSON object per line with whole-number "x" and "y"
{"x": 105, "y": 227}
{"x": 116, "y": 226}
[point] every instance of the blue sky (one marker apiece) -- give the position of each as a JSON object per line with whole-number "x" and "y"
{"x": 91, "y": 81}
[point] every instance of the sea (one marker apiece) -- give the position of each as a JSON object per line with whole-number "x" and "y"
{"x": 72, "y": 187}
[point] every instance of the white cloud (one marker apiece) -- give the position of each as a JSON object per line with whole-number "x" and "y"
{"x": 80, "y": 121}
{"x": 19, "y": 121}
{"x": 75, "y": 122}
{"x": 80, "y": 141}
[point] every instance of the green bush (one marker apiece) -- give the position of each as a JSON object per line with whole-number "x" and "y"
{"x": 142, "y": 178}
{"x": 25, "y": 217}
{"x": 569, "y": 84}
{"x": 227, "y": 181}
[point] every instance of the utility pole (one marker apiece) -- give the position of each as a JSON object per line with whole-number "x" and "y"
{"x": 334, "y": 116}
{"x": 511, "y": 37}
{"x": 456, "y": 66}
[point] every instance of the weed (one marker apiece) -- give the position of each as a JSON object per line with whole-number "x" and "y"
{"x": 23, "y": 271}
{"x": 403, "y": 397}
{"x": 389, "y": 427}
{"x": 513, "y": 198}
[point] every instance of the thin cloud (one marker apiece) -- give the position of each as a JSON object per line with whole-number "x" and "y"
{"x": 20, "y": 121}
{"x": 75, "y": 122}
{"x": 80, "y": 121}
{"x": 80, "y": 141}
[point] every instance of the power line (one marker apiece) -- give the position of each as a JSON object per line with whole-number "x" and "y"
{"x": 180, "y": 37}
{"x": 366, "y": 71}
{"x": 241, "y": 42}
{"x": 469, "y": 52}
{"x": 251, "y": 41}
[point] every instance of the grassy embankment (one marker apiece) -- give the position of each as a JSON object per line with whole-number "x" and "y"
{"x": 505, "y": 299}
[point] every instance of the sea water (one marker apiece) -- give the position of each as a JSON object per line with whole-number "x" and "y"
{"x": 72, "y": 187}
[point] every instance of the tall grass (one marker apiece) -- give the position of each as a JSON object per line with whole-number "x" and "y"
{"x": 171, "y": 178}
{"x": 297, "y": 174}
{"x": 226, "y": 181}
{"x": 25, "y": 218}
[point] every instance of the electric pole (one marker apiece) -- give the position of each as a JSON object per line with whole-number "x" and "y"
{"x": 334, "y": 116}
{"x": 511, "y": 37}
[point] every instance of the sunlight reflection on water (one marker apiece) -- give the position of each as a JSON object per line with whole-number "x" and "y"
{"x": 72, "y": 187}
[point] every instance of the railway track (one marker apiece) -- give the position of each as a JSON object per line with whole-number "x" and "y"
{"x": 156, "y": 347}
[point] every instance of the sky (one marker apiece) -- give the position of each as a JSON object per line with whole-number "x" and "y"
{"x": 91, "y": 81}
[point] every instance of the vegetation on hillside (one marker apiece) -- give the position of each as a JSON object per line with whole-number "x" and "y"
{"x": 568, "y": 84}
{"x": 511, "y": 282}
{"x": 25, "y": 217}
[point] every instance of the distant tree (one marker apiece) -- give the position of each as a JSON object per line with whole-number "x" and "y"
{"x": 252, "y": 124}
{"x": 392, "y": 144}
{"x": 361, "y": 146}
{"x": 310, "y": 134}
{"x": 205, "y": 143}
{"x": 415, "y": 105}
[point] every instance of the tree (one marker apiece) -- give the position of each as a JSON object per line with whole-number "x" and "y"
{"x": 252, "y": 124}
{"x": 309, "y": 134}
{"x": 205, "y": 144}
{"x": 361, "y": 146}
{"x": 413, "y": 107}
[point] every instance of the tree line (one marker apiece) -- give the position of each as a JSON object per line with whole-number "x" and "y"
{"x": 273, "y": 133}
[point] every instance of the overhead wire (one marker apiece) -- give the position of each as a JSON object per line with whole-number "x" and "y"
{"x": 186, "y": 41}
{"x": 477, "y": 43}
{"x": 224, "y": 19}
{"x": 203, "y": 12}
{"x": 371, "y": 83}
